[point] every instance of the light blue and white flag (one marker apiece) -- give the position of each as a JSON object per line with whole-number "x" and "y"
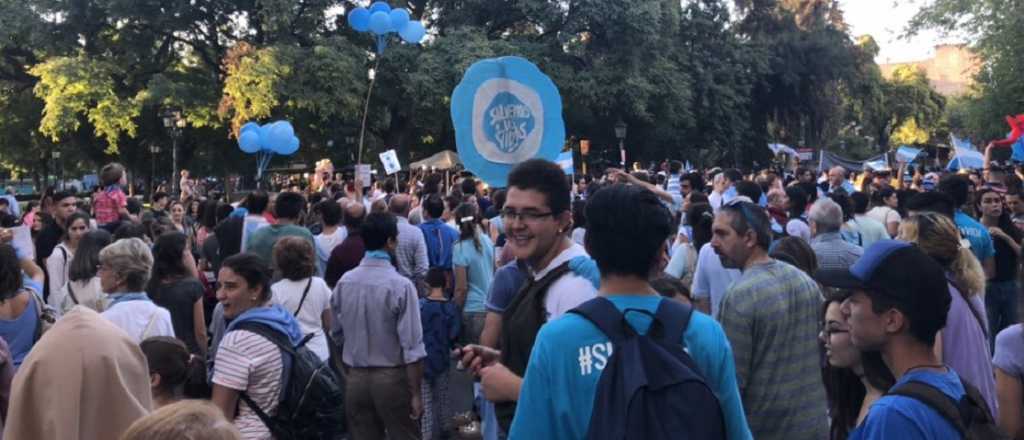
{"x": 964, "y": 158}
{"x": 565, "y": 161}
{"x": 907, "y": 154}
{"x": 959, "y": 143}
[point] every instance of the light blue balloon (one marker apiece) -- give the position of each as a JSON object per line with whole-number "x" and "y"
{"x": 359, "y": 19}
{"x": 264, "y": 133}
{"x": 413, "y": 32}
{"x": 380, "y": 23}
{"x": 380, "y": 7}
{"x": 399, "y": 18}
{"x": 280, "y": 134}
{"x": 249, "y": 141}
{"x": 289, "y": 147}
{"x": 249, "y": 126}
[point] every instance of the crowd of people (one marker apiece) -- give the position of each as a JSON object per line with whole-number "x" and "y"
{"x": 717, "y": 303}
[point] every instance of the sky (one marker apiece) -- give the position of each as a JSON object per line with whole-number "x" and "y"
{"x": 885, "y": 20}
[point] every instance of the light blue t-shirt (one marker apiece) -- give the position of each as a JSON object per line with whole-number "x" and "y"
{"x": 479, "y": 264}
{"x": 977, "y": 234}
{"x": 907, "y": 418}
{"x": 557, "y": 395}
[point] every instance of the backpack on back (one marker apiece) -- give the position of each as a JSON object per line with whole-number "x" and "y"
{"x": 970, "y": 416}
{"x": 311, "y": 404}
{"x": 651, "y": 388}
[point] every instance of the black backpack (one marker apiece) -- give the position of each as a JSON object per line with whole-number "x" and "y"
{"x": 970, "y": 416}
{"x": 311, "y": 404}
{"x": 651, "y": 388}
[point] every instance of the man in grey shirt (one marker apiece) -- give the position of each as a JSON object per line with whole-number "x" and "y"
{"x": 825, "y": 219}
{"x": 376, "y": 318}
{"x": 411, "y": 252}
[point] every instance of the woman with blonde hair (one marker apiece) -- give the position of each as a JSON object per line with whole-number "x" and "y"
{"x": 963, "y": 343}
{"x": 188, "y": 420}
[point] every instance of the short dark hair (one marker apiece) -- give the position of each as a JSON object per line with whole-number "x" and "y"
{"x": 957, "y": 186}
{"x": 111, "y": 174}
{"x": 130, "y": 230}
{"x": 436, "y": 278}
{"x": 61, "y": 195}
{"x": 289, "y": 205}
{"x": 253, "y": 269}
{"x": 932, "y": 201}
{"x": 733, "y": 175}
{"x": 749, "y": 189}
{"x": 468, "y": 186}
{"x": 433, "y": 205}
{"x": 860, "y": 202}
{"x": 546, "y": 178}
{"x": 330, "y": 212}
{"x": 256, "y": 202}
{"x": 626, "y": 227}
{"x": 295, "y": 258}
{"x": 134, "y": 206}
{"x": 670, "y": 286}
{"x": 159, "y": 196}
{"x": 750, "y": 217}
{"x": 4, "y": 201}
{"x": 378, "y": 228}
{"x": 696, "y": 181}
{"x": 353, "y": 221}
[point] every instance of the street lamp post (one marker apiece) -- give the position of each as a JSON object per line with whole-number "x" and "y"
{"x": 620, "y": 133}
{"x": 154, "y": 150}
{"x": 174, "y": 123}
{"x": 60, "y": 166}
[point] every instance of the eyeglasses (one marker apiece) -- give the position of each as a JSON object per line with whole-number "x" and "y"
{"x": 508, "y": 215}
{"x": 828, "y": 332}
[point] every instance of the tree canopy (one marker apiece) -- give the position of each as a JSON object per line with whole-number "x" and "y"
{"x": 91, "y": 77}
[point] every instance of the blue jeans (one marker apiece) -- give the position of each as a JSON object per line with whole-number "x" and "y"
{"x": 1001, "y": 307}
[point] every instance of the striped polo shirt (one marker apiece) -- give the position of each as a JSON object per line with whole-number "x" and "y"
{"x": 770, "y": 315}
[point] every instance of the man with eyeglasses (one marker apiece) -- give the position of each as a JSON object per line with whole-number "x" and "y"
{"x": 536, "y": 217}
{"x": 770, "y": 315}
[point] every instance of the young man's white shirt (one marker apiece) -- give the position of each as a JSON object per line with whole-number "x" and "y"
{"x": 568, "y": 291}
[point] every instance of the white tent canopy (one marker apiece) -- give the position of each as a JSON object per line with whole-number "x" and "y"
{"x": 444, "y": 160}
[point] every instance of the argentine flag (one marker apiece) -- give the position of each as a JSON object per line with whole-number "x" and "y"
{"x": 565, "y": 161}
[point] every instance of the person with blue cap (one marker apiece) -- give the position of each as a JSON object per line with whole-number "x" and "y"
{"x": 898, "y": 312}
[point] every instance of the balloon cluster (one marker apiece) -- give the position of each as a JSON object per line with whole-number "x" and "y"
{"x": 381, "y": 20}
{"x": 267, "y": 140}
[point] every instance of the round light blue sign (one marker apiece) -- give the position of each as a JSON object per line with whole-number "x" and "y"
{"x": 506, "y": 111}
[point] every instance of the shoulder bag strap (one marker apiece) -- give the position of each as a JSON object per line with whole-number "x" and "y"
{"x": 264, "y": 417}
{"x": 303, "y": 300}
{"x": 71, "y": 292}
{"x": 673, "y": 317}
{"x": 934, "y": 399}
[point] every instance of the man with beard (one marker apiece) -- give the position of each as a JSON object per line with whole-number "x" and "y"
{"x": 770, "y": 315}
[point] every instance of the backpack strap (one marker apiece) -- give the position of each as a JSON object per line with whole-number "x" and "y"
{"x": 283, "y": 344}
{"x": 673, "y": 317}
{"x": 937, "y": 400}
{"x": 303, "y": 300}
{"x": 603, "y": 314}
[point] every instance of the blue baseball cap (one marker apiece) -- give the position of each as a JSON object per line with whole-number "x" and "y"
{"x": 898, "y": 269}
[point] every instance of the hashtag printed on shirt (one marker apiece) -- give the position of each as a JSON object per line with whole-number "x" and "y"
{"x": 249, "y": 362}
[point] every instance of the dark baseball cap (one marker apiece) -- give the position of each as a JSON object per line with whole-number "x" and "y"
{"x": 893, "y": 268}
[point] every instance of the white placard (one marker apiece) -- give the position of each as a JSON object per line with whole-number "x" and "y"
{"x": 22, "y": 242}
{"x": 390, "y": 160}
{"x": 251, "y": 224}
{"x": 363, "y": 175}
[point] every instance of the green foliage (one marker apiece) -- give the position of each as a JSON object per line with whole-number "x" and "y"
{"x": 71, "y": 87}
{"x": 691, "y": 81}
{"x": 996, "y": 30}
